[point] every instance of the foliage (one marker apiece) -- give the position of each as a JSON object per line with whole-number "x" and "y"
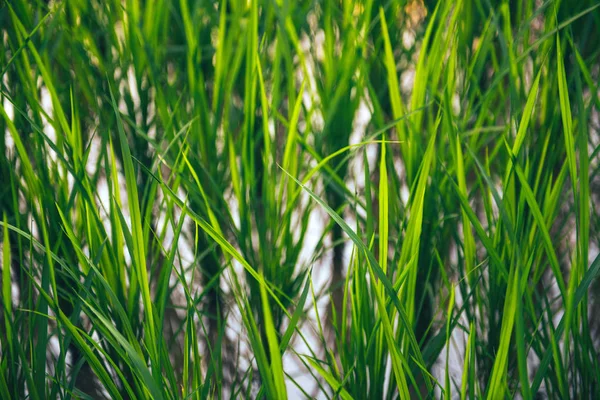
{"x": 337, "y": 199}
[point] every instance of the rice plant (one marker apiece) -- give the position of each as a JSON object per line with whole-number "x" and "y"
{"x": 299, "y": 199}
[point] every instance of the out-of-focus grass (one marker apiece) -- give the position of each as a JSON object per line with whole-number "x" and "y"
{"x": 166, "y": 166}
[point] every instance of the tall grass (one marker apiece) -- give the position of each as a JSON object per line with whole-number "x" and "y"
{"x": 273, "y": 199}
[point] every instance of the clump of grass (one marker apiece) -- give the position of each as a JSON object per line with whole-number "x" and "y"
{"x": 193, "y": 205}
